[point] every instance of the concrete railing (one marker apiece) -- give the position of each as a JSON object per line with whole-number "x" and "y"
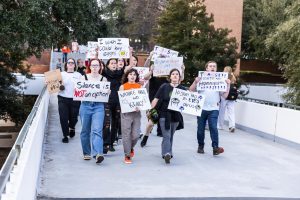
{"x": 278, "y": 123}
{"x": 19, "y": 174}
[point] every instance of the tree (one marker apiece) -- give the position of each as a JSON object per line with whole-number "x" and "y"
{"x": 134, "y": 19}
{"x": 283, "y": 45}
{"x": 27, "y": 28}
{"x": 260, "y": 18}
{"x": 186, "y": 27}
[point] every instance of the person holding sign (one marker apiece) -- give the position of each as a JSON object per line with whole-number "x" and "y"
{"x": 228, "y": 103}
{"x": 112, "y": 108}
{"x": 130, "y": 122}
{"x": 92, "y": 118}
{"x": 170, "y": 120}
{"x": 154, "y": 84}
{"x": 67, "y": 108}
{"x": 210, "y": 112}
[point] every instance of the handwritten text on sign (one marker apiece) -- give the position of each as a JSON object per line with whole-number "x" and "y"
{"x": 92, "y": 50}
{"x": 142, "y": 72}
{"x": 132, "y": 99}
{"x": 186, "y": 102}
{"x": 113, "y": 48}
{"x": 214, "y": 81}
{"x": 91, "y": 91}
{"x": 163, "y": 52}
{"x": 53, "y": 80}
{"x": 163, "y": 66}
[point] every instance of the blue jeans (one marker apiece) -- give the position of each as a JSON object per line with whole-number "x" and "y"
{"x": 212, "y": 118}
{"x": 92, "y": 117}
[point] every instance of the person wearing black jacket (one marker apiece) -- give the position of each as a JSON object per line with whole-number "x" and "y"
{"x": 170, "y": 120}
{"x": 112, "y": 108}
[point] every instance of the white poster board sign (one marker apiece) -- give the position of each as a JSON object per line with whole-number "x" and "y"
{"x": 142, "y": 72}
{"x": 186, "y": 102}
{"x": 91, "y": 91}
{"x": 163, "y": 52}
{"x": 213, "y": 81}
{"x": 163, "y": 66}
{"x": 83, "y": 49}
{"x": 113, "y": 48}
{"x": 92, "y": 50}
{"x": 130, "y": 100}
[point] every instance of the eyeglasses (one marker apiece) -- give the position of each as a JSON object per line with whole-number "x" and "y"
{"x": 71, "y": 63}
{"x": 94, "y": 66}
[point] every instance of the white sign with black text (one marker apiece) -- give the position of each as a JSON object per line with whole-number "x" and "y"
{"x": 159, "y": 52}
{"x": 186, "y": 102}
{"x": 92, "y": 49}
{"x": 213, "y": 81}
{"x": 113, "y": 48}
{"x": 163, "y": 66}
{"x": 131, "y": 100}
{"x": 91, "y": 91}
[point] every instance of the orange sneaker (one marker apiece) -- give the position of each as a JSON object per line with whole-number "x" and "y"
{"x": 131, "y": 153}
{"x": 127, "y": 160}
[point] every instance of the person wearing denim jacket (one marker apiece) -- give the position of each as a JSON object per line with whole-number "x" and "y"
{"x": 210, "y": 112}
{"x": 92, "y": 118}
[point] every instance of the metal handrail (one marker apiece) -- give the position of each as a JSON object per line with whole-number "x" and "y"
{"x": 6, "y": 169}
{"x": 270, "y": 103}
{"x": 14, "y": 154}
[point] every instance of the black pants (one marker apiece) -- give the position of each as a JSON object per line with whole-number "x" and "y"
{"x": 111, "y": 123}
{"x": 68, "y": 113}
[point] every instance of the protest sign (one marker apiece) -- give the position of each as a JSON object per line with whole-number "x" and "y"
{"x": 53, "y": 80}
{"x": 132, "y": 99}
{"x": 83, "y": 49}
{"x": 92, "y": 50}
{"x": 186, "y": 102}
{"x": 213, "y": 81}
{"x": 163, "y": 66}
{"x": 75, "y": 46}
{"x": 113, "y": 48}
{"x": 91, "y": 91}
{"x": 142, "y": 72}
{"x": 163, "y": 52}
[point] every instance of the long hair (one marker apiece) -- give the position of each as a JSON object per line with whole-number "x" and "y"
{"x": 75, "y": 66}
{"x": 100, "y": 64}
{"x": 125, "y": 76}
{"x": 107, "y": 63}
{"x": 231, "y": 76}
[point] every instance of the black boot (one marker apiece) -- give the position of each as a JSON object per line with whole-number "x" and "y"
{"x": 72, "y": 133}
{"x": 144, "y": 141}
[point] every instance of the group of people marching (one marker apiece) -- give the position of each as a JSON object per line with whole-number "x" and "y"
{"x": 103, "y": 123}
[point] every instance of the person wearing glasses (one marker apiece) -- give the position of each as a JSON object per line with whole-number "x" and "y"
{"x": 67, "y": 108}
{"x": 92, "y": 118}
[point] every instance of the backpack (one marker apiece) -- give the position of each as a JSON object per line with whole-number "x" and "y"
{"x": 233, "y": 92}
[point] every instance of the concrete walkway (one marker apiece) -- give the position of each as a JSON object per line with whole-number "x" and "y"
{"x": 251, "y": 168}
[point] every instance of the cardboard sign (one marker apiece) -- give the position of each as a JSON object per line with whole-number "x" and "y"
{"x": 163, "y": 52}
{"x": 163, "y": 66}
{"x": 113, "y": 48}
{"x": 91, "y": 91}
{"x": 92, "y": 50}
{"x": 142, "y": 72}
{"x": 53, "y": 80}
{"x": 132, "y": 99}
{"x": 214, "y": 81}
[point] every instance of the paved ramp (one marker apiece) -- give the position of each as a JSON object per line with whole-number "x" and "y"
{"x": 251, "y": 168}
